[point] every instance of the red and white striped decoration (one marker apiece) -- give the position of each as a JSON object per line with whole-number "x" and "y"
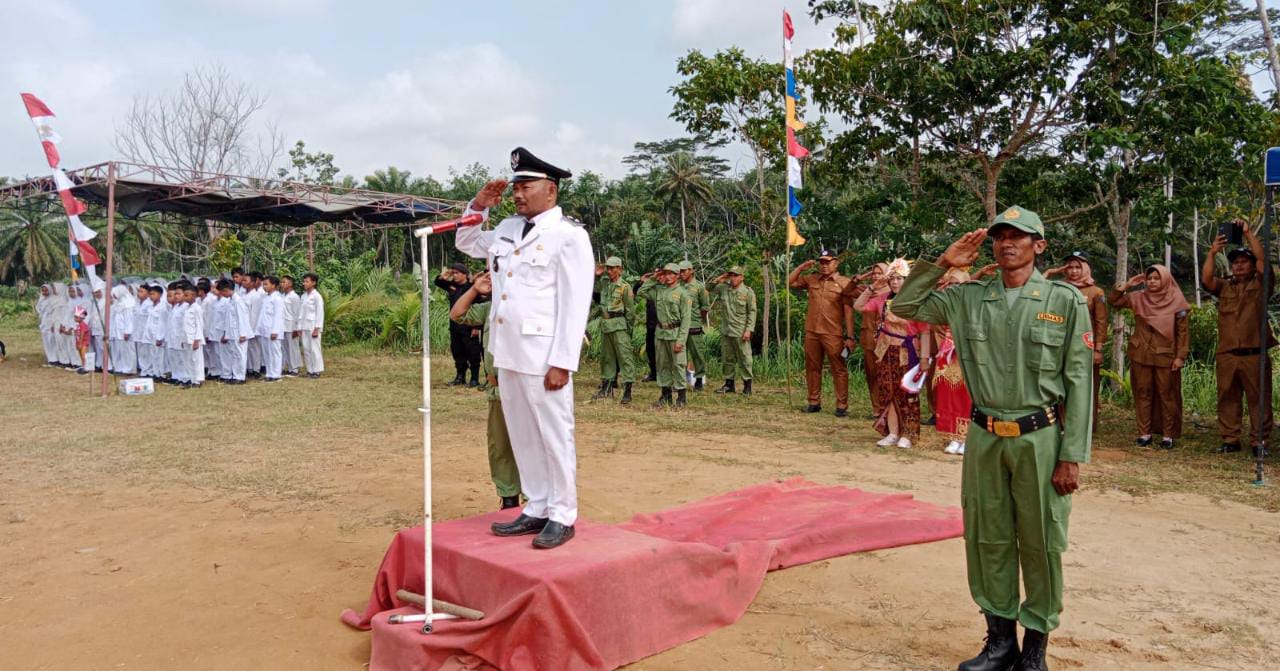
{"x": 42, "y": 117}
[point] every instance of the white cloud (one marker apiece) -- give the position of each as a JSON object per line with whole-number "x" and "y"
{"x": 754, "y": 26}
{"x": 265, "y": 7}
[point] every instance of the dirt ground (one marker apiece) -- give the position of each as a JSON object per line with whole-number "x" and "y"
{"x": 227, "y": 527}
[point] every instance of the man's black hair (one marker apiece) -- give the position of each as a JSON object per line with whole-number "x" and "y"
{"x": 256, "y": 275}
{"x": 314, "y": 277}
{"x": 223, "y": 284}
{"x": 237, "y": 271}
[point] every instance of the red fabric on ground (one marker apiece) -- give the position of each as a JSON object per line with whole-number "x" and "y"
{"x": 617, "y": 594}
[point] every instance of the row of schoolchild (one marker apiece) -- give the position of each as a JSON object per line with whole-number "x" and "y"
{"x": 186, "y": 331}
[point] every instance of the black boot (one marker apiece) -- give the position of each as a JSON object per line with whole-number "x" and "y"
{"x": 1000, "y": 652}
{"x": 680, "y": 398}
{"x": 510, "y": 502}
{"x": 626, "y": 394}
{"x": 727, "y": 388}
{"x": 664, "y": 400}
{"x": 460, "y": 378}
{"x": 1034, "y": 646}
{"x": 475, "y": 379}
{"x": 605, "y": 390}
{"x": 746, "y": 387}
{"x": 697, "y": 383}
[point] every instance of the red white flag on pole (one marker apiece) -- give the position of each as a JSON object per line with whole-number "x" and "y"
{"x": 80, "y": 235}
{"x": 43, "y": 120}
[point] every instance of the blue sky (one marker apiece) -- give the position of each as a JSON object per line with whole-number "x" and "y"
{"x": 420, "y": 85}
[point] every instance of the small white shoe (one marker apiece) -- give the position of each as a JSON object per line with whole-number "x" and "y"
{"x": 887, "y": 441}
{"x": 953, "y": 447}
{"x": 904, "y": 443}
{"x": 960, "y": 450}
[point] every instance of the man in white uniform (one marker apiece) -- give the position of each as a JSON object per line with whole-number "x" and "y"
{"x": 141, "y": 317}
{"x": 542, "y": 270}
{"x": 291, "y": 342}
{"x": 253, "y": 298}
{"x": 311, "y": 323}
{"x": 233, "y": 333}
{"x": 271, "y": 329}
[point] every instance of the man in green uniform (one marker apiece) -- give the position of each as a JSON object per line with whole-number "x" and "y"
{"x": 701, "y": 306}
{"x": 617, "y": 316}
{"x": 1025, "y": 347}
{"x": 674, "y": 308}
{"x": 736, "y": 306}
{"x": 502, "y": 461}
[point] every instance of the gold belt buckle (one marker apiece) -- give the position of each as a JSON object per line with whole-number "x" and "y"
{"x": 1006, "y": 429}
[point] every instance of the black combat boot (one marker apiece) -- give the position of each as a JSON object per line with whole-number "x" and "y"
{"x": 1034, "y": 647}
{"x": 460, "y": 378}
{"x": 605, "y": 390}
{"x": 697, "y": 383}
{"x": 475, "y": 379}
{"x": 664, "y": 400}
{"x": 510, "y": 502}
{"x": 727, "y": 388}
{"x": 746, "y": 387}
{"x": 1000, "y": 652}
{"x": 626, "y": 394}
{"x": 680, "y": 398}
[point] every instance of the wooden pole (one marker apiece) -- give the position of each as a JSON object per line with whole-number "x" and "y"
{"x": 106, "y": 292}
{"x": 311, "y": 248}
{"x": 442, "y": 606}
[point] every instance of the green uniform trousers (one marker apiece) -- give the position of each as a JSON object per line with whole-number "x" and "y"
{"x": 697, "y": 350}
{"x": 671, "y": 365}
{"x": 617, "y": 357}
{"x": 1014, "y": 518}
{"x": 735, "y": 358}
{"x": 502, "y": 462}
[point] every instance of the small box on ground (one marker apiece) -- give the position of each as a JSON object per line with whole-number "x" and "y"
{"x": 137, "y": 386}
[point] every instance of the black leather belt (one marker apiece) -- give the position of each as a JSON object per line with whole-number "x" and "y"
{"x": 697, "y": 330}
{"x": 1012, "y": 428}
{"x": 1246, "y": 351}
{"x": 614, "y": 315}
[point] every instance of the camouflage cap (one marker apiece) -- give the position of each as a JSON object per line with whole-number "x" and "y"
{"x": 612, "y": 262}
{"x": 686, "y": 265}
{"x": 1020, "y": 218}
{"x": 735, "y": 270}
{"x": 671, "y": 268}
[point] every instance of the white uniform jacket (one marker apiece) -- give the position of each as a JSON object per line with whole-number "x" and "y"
{"x": 541, "y": 289}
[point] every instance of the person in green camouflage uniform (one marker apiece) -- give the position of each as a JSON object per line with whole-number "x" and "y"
{"x": 701, "y": 306}
{"x": 735, "y": 305}
{"x": 617, "y": 305}
{"x": 674, "y": 308}
{"x": 1025, "y": 345}
{"x": 502, "y": 461}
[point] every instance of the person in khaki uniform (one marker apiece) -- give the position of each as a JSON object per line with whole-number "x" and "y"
{"x": 675, "y": 315}
{"x": 617, "y": 317}
{"x": 824, "y": 328}
{"x": 701, "y": 306}
{"x": 868, "y": 329}
{"x": 1157, "y": 350}
{"x": 502, "y": 460}
{"x": 737, "y": 308}
{"x": 1076, "y": 270}
{"x": 1023, "y": 344}
{"x": 1240, "y": 319}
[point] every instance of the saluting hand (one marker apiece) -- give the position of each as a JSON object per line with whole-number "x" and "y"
{"x": 1055, "y": 271}
{"x": 483, "y": 284}
{"x": 989, "y": 269}
{"x": 807, "y": 265}
{"x": 963, "y": 252}
{"x": 599, "y": 270}
{"x": 490, "y": 194}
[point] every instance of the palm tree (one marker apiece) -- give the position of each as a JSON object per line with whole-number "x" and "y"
{"x": 36, "y": 243}
{"x": 683, "y": 180}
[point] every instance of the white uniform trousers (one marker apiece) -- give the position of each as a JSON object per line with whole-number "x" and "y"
{"x": 541, "y": 426}
{"x": 212, "y": 362}
{"x": 50, "y": 346}
{"x": 124, "y": 356}
{"x": 177, "y": 361}
{"x": 96, "y": 348}
{"x": 313, "y": 352}
{"x": 272, "y": 357}
{"x": 292, "y": 358}
{"x": 254, "y": 360}
{"x": 67, "y": 343}
{"x": 234, "y": 357}
{"x": 195, "y": 369}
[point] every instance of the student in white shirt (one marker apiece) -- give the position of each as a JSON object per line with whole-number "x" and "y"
{"x": 175, "y": 356}
{"x": 124, "y": 355}
{"x": 157, "y": 327}
{"x": 235, "y": 333}
{"x": 206, "y": 299}
{"x": 271, "y": 329}
{"x": 141, "y": 315}
{"x": 292, "y": 342}
{"x": 192, "y": 337}
{"x": 311, "y": 324}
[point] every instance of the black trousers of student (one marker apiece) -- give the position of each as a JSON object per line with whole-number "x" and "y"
{"x": 466, "y": 350}
{"x": 650, "y": 350}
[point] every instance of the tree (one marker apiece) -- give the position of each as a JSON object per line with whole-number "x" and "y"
{"x": 682, "y": 181}
{"x": 32, "y": 243}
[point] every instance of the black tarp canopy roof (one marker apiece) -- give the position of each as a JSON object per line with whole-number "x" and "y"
{"x": 239, "y": 201}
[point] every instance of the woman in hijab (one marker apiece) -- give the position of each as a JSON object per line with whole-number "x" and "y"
{"x": 1157, "y": 350}
{"x": 124, "y": 353}
{"x": 898, "y": 349}
{"x": 61, "y": 321}
{"x": 1079, "y": 274}
{"x": 44, "y": 308}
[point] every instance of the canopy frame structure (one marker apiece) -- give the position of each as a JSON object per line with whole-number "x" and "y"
{"x": 177, "y": 195}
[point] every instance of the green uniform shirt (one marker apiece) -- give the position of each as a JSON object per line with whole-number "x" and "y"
{"x": 616, "y": 297}
{"x": 674, "y": 308}
{"x": 701, "y": 298}
{"x": 737, "y": 309}
{"x": 476, "y": 316}
{"x": 1016, "y": 359}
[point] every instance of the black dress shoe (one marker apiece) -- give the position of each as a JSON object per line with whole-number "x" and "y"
{"x": 1000, "y": 652}
{"x": 842, "y": 412}
{"x": 812, "y": 408}
{"x": 510, "y": 502}
{"x": 1166, "y": 443}
{"x": 520, "y": 526}
{"x": 460, "y": 379}
{"x": 1142, "y": 441}
{"x": 1227, "y": 448}
{"x": 553, "y": 535}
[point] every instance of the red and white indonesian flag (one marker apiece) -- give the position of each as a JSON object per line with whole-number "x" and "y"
{"x": 80, "y": 235}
